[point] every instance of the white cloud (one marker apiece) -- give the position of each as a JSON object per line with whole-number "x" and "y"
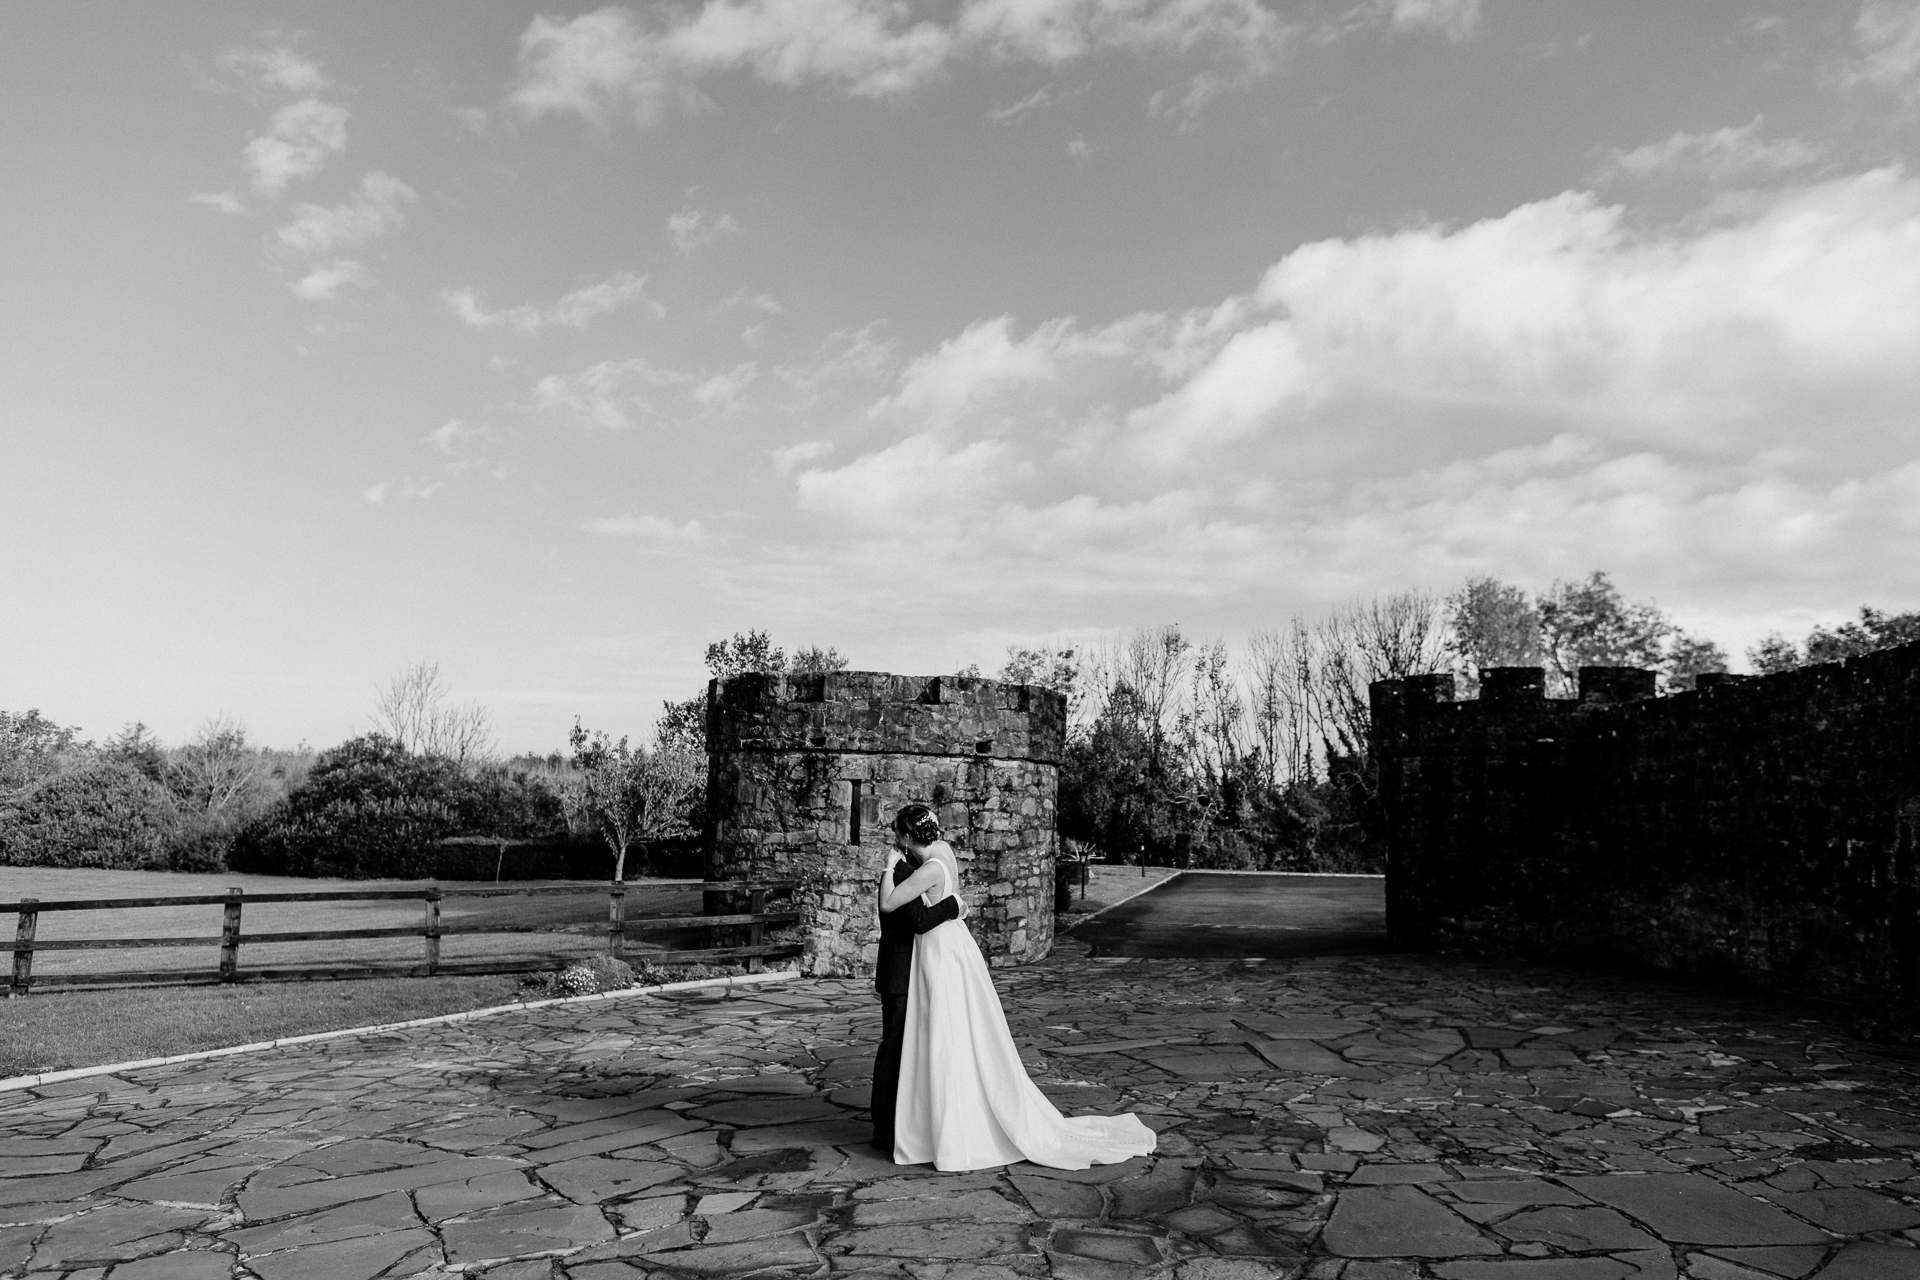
{"x": 324, "y": 281}
{"x": 658, "y": 530}
{"x": 1720, "y": 155}
{"x": 298, "y": 142}
{"x": 221, "y": 201}
{"x": 375, "y": 493}
{"x": 374, "y": 211}
{"x": 723, "y": 390}
{"x": 1721, "y": 411}
{"x": 787, "y": 460}
{"x": 278, "y": 67}
{"x": 614, "y": 63}
{"x": 917, "y": 478}
{"x": 1455, "y": 19}
{"x": 1887, "y": 34}
{"x": 693, "y": 229}
{"x": 575, "y": 310}
{"x": 614, "y": 394}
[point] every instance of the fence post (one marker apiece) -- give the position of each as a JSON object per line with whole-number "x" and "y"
{"x": 23, "y": 955}
{"x": 757, "y": 931}
{"x": 230, "y": 938}
{"x": 616, "y": 919}
{"x": 430, "y": 929}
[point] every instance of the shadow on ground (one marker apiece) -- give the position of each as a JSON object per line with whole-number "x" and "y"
{"x": 1245, "y": 916}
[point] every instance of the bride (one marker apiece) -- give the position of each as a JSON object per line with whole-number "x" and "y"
{"x": 965, "y": 1099}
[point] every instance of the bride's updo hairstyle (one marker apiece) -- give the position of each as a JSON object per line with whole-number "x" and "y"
{"x": 918, "y": 823}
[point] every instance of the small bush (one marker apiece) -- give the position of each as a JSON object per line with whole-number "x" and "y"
{"x": 101, "y": 813}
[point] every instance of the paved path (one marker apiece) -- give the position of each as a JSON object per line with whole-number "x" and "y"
{"x": 1365, "y": 1118}
{"x": 1195, "y": 916}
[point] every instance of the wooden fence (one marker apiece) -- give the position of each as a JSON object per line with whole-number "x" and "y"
{"x": 430, "y": 930}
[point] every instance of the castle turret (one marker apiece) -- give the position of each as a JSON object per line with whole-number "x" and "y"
{"x": 806, "y": 772}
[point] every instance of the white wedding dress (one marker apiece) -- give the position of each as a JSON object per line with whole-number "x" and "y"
{"x": 965, "y": 1099}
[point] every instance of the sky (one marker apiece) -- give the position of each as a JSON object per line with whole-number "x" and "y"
{"x": 552, "y": 344}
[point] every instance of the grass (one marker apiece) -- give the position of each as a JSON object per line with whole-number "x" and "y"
{"x": 1108, "y": 885}
{"x": 87, "y": 1028}
{"x": 555, "y": 927}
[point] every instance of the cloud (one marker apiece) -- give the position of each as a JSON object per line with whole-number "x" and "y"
{"x": 1887, "y": 34}
{"x": 374, "y": 211}
{"x": 575, "y": 310}
{"x": 693, "y": 229}
{"x": 658, "y": 530}
{"x": 917, "y": 477}
{"x": 1720, "y": 155}
{"x": 323, "y": 281}
{"x": 297, "y": 144}
{"x": 221, "y": 201}
{"x": 1720, "y": 410}
{"x": 1454, "y": 19}
{"x": 375, "y": 493}
{"x": 614, "y": 63}
{"x": 794, "y": 456}
{"x": 614, "y": 395}
{"x": 278, "y": 67}
{"x": 722, "y": 391}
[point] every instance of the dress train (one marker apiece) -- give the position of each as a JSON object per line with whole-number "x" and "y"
{"x": 965, "y": 1099}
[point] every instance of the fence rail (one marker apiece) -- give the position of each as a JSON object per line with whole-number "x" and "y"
{"x": 430, "y": 930}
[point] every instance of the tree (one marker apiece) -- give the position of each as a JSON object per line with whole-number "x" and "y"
{"x": 1874, "y": 631}
{"x": 1280, "y": 676}
{"x": 414, "y": 711}
{"x": 216, "y": 772}
{"x": 1688, "y": 657}
{"x": 1775, "y": 654}
{"x": 1049, "y": 667}
{"x": 751, "y": 651}
{"x": 135, "y": 745}
{"x": 1491, "y": 624}
{"x": 1589, "y": 624}
{"x": 813, "y": 661}
{"x": 628, "y": 794}
{"x": 31, "y": 747}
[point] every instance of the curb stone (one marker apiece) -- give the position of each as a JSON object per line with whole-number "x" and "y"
{"x": 77, "y": 1073}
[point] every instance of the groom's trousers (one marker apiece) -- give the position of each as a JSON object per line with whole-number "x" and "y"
{"x": 886, "y": 1068}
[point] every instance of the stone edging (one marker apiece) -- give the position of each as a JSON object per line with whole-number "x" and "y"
{"x": 77, "y": 1073}
{"x": 1129, "y": 898}
{"x": 1315, "y": 875}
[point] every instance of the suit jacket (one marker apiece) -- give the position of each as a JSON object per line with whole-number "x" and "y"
{"x": 893, "y": 970}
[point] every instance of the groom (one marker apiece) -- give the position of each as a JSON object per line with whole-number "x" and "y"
{"x": 892, "y": 973}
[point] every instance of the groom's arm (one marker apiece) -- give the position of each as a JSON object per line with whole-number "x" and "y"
{"x": 918, "y": 914}
{"x": 923, "y": 917}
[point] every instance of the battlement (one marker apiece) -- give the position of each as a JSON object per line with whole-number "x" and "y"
{"x": 806, "y": 772}
{"x": 875, "y": 713}
{"x": 1765, "y": 826}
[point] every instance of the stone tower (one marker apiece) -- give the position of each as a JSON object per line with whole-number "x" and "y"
{"x": 806, "y": 772}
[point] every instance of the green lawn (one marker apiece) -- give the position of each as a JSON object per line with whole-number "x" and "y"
{"x": 87, "y": 1028}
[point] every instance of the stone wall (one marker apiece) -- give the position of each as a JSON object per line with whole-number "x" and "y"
{"x": 805, "y": 774}
{"x": 1760, "y": 827}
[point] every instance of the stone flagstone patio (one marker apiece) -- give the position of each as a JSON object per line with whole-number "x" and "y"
{"x": 1370, "y": 1118}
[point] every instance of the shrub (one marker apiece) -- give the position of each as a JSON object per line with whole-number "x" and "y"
{"x": 369, "y": 808}
{"x": 100, "y": 813}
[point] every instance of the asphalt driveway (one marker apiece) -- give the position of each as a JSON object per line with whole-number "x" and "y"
{"x": 1203, "y": 916}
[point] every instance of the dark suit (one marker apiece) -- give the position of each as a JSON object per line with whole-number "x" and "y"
{"x": 892, "y": 972}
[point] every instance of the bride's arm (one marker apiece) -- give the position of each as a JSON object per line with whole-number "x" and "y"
{"x": 892, "y": 895}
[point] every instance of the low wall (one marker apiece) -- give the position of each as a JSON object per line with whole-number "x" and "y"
{"x": 1762, "y": 828}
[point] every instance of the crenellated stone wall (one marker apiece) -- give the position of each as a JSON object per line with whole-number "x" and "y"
{"x": 805, "y": 774}
{"x": 1762, "y": 828}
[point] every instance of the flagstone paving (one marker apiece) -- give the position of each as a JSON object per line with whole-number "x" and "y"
{"x": 1363, "y": 1118}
